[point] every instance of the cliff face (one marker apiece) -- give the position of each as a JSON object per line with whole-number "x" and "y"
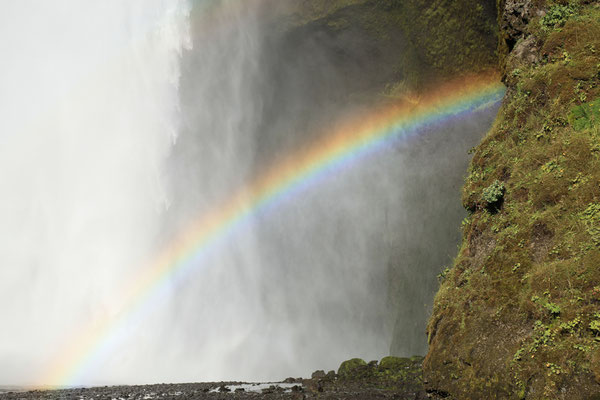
{"x": 518, "y": 315}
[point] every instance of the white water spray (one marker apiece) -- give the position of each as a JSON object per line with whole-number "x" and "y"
{"x": 300, "y": 288}
{"x": 89, "y": 110}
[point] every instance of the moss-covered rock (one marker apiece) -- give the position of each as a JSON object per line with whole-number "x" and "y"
{"x": 516, "y": 316}
{"x": 350, "y": 368}
{"x": 403, "y": 376}
{"x": 393, "y": 363}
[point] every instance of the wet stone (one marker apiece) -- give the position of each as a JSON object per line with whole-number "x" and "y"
{"x": 318, "y": 374}
{"x": 224, "y": 389}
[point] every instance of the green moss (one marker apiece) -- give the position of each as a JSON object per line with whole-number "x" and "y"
{"x": 350, "y": 367}
{"x": 401, "y": 375}
{"x": 516, "y": 315}
{"x": 391, "y": 362}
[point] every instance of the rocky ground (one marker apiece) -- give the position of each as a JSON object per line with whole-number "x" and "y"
{"x": 391, "y": 378}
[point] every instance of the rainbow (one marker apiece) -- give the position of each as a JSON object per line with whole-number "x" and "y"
{"x": 342, "y": 148}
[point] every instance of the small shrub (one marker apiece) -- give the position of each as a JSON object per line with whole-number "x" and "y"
{"x": 494, "y": 193}
{"x": 552, "y": 308}
{"x": 585, "y": 116}
{"x": 442, "y": 275}
{"x": 557, "y": 16}
{"x": 519, "y": 354}
{"x": 570, "y": 326}
{"x": 595, "y": 326}
{"x": 542, "y": 336}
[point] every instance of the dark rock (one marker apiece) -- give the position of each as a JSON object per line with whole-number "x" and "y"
{"x": 349, "y": 367}
{"x": 514, "y": 20}
{"x": 272, "y": 389}
{"x": 297, "y": 388}
{"x": 527, "y": 51}
{"x": 318, "y": 374}
{"x": 224, "y": 389}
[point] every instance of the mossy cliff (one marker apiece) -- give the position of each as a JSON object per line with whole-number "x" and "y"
{"x": 518, "y": 314}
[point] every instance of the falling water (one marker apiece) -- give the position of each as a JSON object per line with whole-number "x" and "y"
{"x": 305, "y": 285}
{"x": 89, "y": 105}
{"x": 125, "y": 121}
{"x": 294, "y": 292}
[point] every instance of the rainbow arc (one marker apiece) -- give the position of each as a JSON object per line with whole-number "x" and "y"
{"x": 342, "y": 148}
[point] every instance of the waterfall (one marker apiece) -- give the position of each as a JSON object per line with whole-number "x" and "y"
{"x": 90, "y": 110}
{"x": 127, "y": 124}
{"x": 302, "y": 286}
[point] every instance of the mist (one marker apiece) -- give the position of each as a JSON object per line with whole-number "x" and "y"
{"x": 89, "y": 112}
{"x": 124, "y": 122}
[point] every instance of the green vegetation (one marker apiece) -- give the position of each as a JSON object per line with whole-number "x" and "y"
{"x": 518, "y": 315}
{"x": 557, "y": 15}
{"x": 585, "y": 116}
{"x": 493, "y": 194}
{"x": 350, "y": 367}
{"x": 391, "y": 373}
